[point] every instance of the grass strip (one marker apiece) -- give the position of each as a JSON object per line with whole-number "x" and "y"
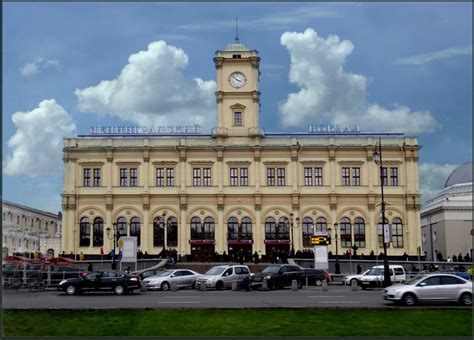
{"x": 241, "y": 322}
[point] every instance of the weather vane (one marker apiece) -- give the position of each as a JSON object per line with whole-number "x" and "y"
{"x": 236, "y": 29}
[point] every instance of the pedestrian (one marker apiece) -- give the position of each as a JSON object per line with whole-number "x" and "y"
{"x": 89, "y": 267}
{"x": 359, "y": 269}
{"x": 460, "y": 259}
{"x": 255, "y": 257}
{"x": 240, "y": 256}
{"x": 128, "y": 270}
{"x": 81, "y": 256}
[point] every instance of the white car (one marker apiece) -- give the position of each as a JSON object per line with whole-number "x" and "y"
{"x": 163, "y": 280}
{"x": 374, "y": 277}
{"x": 348, "y": 279}
{"x": 431, "y": 287}
{"x": 221, "y": 277}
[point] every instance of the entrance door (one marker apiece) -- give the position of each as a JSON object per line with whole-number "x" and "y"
{"x": 277, "y": 252}
{"x": 234, "y": 249}
{"x": 203, "y": 252}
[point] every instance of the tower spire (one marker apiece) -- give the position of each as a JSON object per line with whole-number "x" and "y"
{"x": 236, "y": 29}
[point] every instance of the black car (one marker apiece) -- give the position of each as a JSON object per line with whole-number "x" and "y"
{"x": 315, "y": 276}
{"x": 278, "y": 276}
{"x": 55, "y": 274}
{"x": 117, "y": 282}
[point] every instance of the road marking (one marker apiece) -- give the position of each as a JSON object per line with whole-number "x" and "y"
{"x": 340, "y": 302}
{"x": 326, "y": 296}
{"x": 168, "y": 302}
{"x": 172, "y": 297}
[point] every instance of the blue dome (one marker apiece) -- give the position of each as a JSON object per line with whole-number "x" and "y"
{"x": 462, "y": 174}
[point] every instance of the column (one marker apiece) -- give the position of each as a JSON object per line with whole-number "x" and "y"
{"x": 258, "y": 232}
{"x": 108, "y": 244}
{"x": 220, "y": 232}
{"x": 146, "y": 234}
{"x": 184, "y": 234}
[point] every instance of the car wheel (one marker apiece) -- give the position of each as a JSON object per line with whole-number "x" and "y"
{"x": 319, "y": 282}
{"x": 219, "y": 285}
{"x": 409, "y": 299}
{"x": 165, "y": 286}
{"x": 119, "y": 290}
{"x": 71, "y": 290}
{"x": 466, "y": 299}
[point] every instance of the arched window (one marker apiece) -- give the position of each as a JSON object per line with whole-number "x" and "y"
{"x": 270, "y": 229}
{"x": 359, "y": 232}
{"x": 246, "y": 231}
{"x": 321, "y": 224}
{"x": 209, "y": 229}
{"x": 135, "y": 227}
{"x": 195, "y": 228}
{"x": 397, "y": 233}
{"x": 159, "y": 232}
{"x": 283, "y": 229}
{"x": 307, "y": 231}
{"x": 380, "y": 232}
{"x": 232, "y": 229}
{"x": 172, "y": 232}
{"x": 98, "y": 233}
{"x": 121, "y": 227}
{"x": 345, "y": 227}
{"x": 50, "y": 253}
{"x": 84, "y": 233}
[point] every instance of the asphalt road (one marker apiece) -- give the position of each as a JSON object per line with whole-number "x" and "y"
{"x": 335, "y": 297}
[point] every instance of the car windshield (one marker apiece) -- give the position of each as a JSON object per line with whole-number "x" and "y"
{"x": 375, "y": 271}
{"x": 215, "y": 271}
{"x": 414, "y": 280}
{"x": 271, "y": 270}
{"x": 165, "y": 273}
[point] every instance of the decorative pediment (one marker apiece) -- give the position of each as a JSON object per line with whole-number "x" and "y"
{"x": 238, "y": 106}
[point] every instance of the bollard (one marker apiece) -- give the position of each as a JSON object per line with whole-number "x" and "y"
{"x": 235, "y": 285}
{"x": 264, "y": 285}
{"x": 354, "y": 285}
{"x": 324, "y": 286}
{"x": 202, "y": 287}
{"x": 143, "y": 287}
{"x": 294, "y": 285}
{"x": 306, "y": 280}
{"x": 173, "y": 286}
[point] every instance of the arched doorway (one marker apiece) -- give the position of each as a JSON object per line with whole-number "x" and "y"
{"x": 239, "y": 238}
{"x": 202, "y": 239}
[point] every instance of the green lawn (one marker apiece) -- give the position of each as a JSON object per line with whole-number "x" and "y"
{"x": 249, "y": 322}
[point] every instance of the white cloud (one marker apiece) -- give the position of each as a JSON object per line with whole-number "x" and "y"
{"x": 32, "y": 68}
{"x": 331, "y": 94}
{"x": 432, "y": 178}
{"x": 38, "y": 141}
{"x": 153, "y": 90}
{"x": 420, "y": 59}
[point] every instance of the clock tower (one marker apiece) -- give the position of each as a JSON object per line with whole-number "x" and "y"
{"x": 237, "y": 95}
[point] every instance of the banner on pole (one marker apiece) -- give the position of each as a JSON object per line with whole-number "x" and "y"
{"x": 128, "y": 248}
{"x": 387, "y": 233}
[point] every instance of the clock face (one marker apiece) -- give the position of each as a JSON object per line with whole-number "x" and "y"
{"x": 237, "y": 79}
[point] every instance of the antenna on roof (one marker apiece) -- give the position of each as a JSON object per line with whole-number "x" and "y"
{"x": 236, "y": 29}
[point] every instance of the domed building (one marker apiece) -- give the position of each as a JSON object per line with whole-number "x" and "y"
{"x": 446, "y": 221}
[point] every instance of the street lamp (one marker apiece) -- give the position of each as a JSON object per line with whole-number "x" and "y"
{"x": 377, "y": 156}
{"x": 292, "y": 226}
{"x": 114, "y": 264}
{"x": 337, "y": 268}
{"x": 165, "y": 229}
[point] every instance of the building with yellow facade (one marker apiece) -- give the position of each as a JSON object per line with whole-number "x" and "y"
{"x": 237, "y": 188}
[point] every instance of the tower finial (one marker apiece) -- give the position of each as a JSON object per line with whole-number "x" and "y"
{"x": 236, "y": 29}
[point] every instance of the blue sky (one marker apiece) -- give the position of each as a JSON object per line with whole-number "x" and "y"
{"x": 389, "y": 66}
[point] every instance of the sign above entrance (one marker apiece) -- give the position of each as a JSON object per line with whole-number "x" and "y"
{"x": 333, "y": 128}
{"x": 146, "y": 130}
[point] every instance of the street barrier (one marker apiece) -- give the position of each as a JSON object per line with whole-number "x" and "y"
{"x": 202, "y": 287}
{"x": 294, "y": 285}
{"x": 174, "y": 286}
{"x": 324, "y": 286}
{"x": 235, "y": 285}
{"x": 354, "y": 286}
{"x": 264, "y": 285}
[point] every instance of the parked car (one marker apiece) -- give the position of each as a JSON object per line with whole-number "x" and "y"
{"x": 163, "y": 280}
{"x": 117, "y": 282}
{"x": 59, "y": 273}
{"x": 221, "y": 277}
{"x": 278, "y": 276}
{"x": 431, "y": 287}
{"x": 374, "y": 277}
{"x": 348, "y": 279}
{"x": 464, "y": 275}
{"x": 315, "y": 276}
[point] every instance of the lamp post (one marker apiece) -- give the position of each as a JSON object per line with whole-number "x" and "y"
{"x": 114, "y": 264}
{"x": 165, "y": 231}
{"x": 337, "y": 268}
{"x": 292, "y": 226}
{"x": 378, "y": 160}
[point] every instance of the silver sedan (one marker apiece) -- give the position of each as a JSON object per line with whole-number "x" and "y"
{"x": 431, "y": 287}
{"x": 181, "y": 277}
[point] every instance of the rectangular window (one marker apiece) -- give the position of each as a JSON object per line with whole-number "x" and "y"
{"x": 133, "y": 177}
{"x": 234, "y": 177}
{"x": 237, "y": 118}
{"x": 271, "y": 177}
{"x": 87, "y": 177}
{"x": 397, "y": 235}
{"x": 394, "y": 176}
{"x": 346, "y": 177}
{"x": 197, "y": 177}
{"x": 160, "y": 177}
{"x": 207, "y": 177}
{"x": 281, "y": 177}
{"x": 123, "y": 177}
{"x": 170, "y": 177}
{"x": 244, "y": 177}
{"x": 308, "y": 176}
{"x": 97, "y": 177}
{"x": 318, "y": 176}
{"x": 384, "y": 176}
{"x": 356, "y": 176}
